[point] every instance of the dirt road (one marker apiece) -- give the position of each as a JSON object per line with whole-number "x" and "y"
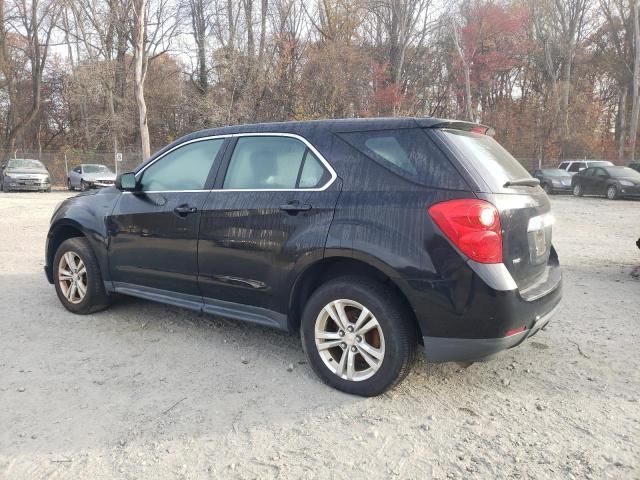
{"x": 145, "y": 390}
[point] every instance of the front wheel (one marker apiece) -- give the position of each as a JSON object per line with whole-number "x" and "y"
{"x": 84, "y": 186}
{"x": 357, "y": 335}
{"x": 612, "y": 192}
{"x": 577, "y": 190}
{"x": 547, "y": 188}
{"x": 77, "y": 277}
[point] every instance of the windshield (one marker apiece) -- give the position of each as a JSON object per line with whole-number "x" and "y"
{"x": 624, "y": 172}
{"x": 494, "y": 163}
{"x": 95, "y": 169}
{"x": 554, "y": 172}
{"x": 24, "y": 163}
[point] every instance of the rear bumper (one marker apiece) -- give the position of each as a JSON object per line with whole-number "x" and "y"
{"x": 439, "y": 350}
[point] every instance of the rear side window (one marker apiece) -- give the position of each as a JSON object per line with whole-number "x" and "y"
{"x": 577, "y": 166}
{"x": 495, "y": 164}
{"x": 408, "y": 153}
{"x": 274, "y": 163}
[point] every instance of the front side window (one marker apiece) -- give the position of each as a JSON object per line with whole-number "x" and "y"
{"x": 273, "y": 163}
{"x": 563, "y": 165}
{"x": 185, "y": 168}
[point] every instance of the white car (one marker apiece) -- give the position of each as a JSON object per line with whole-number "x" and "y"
{"x": 90, "y": 175}
{"x": 575, "y": 166}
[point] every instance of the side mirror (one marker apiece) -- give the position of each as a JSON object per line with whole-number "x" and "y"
{"x": 3, "y": 166}
{"x": 127, "y": 182}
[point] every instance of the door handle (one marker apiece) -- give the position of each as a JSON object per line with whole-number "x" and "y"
{"x": 184, "y": 210}
{"x": 294, "y": 207}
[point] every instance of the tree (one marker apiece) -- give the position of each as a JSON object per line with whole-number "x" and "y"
{"x": 31, "y": 24}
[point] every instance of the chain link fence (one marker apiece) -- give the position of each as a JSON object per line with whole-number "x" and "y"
{"x": 59, "y": 163}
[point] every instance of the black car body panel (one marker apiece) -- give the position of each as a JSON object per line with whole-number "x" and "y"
{"x": 240, "y": 254}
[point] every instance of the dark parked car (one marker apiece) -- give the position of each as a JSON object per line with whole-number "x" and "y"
{"x": 554, "y": 180}
{"x": 612, "y": 182}
{"x": 25, "y": 174}
{"x": 369, "y": 236}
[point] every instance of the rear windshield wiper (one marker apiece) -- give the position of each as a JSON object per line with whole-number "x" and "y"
{"x": 522, "y": 182}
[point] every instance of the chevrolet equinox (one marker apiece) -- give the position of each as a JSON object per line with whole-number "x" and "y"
{"x": 368, "y": 236}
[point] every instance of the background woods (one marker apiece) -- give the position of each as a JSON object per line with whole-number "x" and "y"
{"x": 556, "y": 78}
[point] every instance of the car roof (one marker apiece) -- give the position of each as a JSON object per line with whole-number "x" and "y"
{"x": 336, "y": 125}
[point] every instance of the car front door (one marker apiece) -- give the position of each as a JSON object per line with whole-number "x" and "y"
{"x": 154, "y": 231}
{"x": 267, "y": 219}
{"x": 74, "y": 176}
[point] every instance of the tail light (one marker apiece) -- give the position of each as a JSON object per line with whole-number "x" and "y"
{"x": 473, "y": 226}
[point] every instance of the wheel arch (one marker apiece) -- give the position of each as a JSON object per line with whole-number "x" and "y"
{"x": 58, "y": 234}
{"x": 332, "y": 267}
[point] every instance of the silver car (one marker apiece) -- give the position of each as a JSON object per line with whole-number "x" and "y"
{"x": 90, "y": 175}
{"x": 25, "y": 174}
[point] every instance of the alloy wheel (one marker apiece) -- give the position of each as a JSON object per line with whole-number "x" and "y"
{"x": 349, "y": 340}
{"x": 577, "y": 190}
{"x": 612, "y": 193}
{"x": 72, "y": 276}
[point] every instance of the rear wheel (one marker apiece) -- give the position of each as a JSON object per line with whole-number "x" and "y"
{"x": 357, "y": 336}
{"x": 77, "y": 277}
{"x": 612, "y": 192}
{"x": 577, "y": 190}
{"x": 69, "y": 184}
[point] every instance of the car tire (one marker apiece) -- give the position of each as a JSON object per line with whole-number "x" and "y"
{"x": 69, "y": 186}
{"x": 390, "y": 343}
{"x": 547, "y": 188}
{"x": 84, "y": 186}
{"x": 612, "y": 192}
{"x": 75, "y": 268}
{"x": 577, "y": 190}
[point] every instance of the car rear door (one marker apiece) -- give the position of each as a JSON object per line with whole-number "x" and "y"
{"x": 585, "y": 179}
{"x": 154, "y": 231}
{"x": 267, "y": 219}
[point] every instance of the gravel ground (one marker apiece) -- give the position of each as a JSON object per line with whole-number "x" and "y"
{"x": 145, "y": 390}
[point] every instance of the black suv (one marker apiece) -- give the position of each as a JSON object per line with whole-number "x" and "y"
{"x": 368, "y": 236}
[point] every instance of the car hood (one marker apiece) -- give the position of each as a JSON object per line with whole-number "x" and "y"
{"x": 635, "y": 181}
{"x": 26, "y": 171}
{"x": 99, "y": 176}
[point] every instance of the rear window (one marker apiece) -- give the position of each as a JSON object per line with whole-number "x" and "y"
{"x": 408, "y": 153}
{"x": 493, "y": 162}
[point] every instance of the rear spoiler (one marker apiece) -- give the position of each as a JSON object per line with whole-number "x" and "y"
{"x": 457, "y": 125}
